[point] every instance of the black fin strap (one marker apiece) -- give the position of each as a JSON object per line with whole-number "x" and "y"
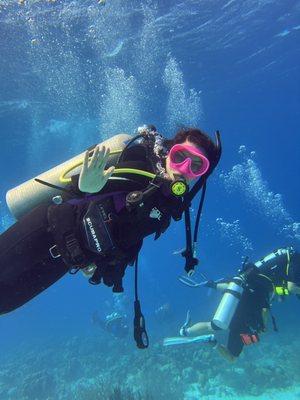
{"x": 139, "y": 325}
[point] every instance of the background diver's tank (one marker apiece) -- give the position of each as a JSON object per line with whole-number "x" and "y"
{"x": 29, "y": 194}
{"x": 228, "y": 305}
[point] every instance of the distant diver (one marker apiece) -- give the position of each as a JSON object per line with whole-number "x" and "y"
{"x": 244, "y": 309}
{"x": 92, "y": 213}
{"x": 115, "y": 324}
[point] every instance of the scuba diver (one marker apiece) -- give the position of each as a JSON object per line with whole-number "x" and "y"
{"x": 245, "y": 306}
{"x": 92, "y": 212}
{"x": 116, "y": 320}
{"x": 115, "y": 324}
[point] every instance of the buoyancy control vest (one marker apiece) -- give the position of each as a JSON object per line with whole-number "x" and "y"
{"x": 108, "y": 229}
{"x": 276, "y": 266}
{"x": 257, "y": 290}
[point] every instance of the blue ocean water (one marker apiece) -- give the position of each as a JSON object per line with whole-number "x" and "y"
{"x": 73, "y": 73}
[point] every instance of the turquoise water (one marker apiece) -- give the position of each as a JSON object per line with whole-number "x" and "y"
{"x": 73, "y": 73}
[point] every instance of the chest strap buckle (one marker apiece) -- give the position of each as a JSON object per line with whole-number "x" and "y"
{"x": 75, "y": 250}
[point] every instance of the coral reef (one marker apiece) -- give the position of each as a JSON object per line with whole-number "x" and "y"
{"x": 94, "y": 368}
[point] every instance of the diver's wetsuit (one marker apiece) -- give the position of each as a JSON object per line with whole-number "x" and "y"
{"x": 248, "y": 317}
{"x": 281, "y": 266}
{"x": 27, "y": 267}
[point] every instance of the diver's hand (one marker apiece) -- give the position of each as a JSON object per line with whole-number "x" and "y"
{"x": 183, "y": 329}
{"x": 93, "y": 177}
{"x": 211, "y": 284}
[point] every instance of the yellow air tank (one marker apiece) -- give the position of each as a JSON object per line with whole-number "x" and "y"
{"x": 27, "y": 195}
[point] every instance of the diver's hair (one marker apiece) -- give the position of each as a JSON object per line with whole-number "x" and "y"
{"x": 197, "y": 137}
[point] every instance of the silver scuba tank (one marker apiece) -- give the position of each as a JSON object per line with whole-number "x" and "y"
{"x": 229, "y": 303}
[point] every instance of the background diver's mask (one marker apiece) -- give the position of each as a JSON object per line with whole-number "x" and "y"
{"x": 146, "y": 129}
{"x": 188, "y": 161}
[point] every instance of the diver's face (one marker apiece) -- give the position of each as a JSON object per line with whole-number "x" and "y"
{"x": 172, "y": 173}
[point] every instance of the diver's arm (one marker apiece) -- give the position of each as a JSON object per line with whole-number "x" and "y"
{"x": 293, "y": 288}
{"x": 222, "y": 286}
{"x": 215, "y": 285}
{"x": 93, "y": 175}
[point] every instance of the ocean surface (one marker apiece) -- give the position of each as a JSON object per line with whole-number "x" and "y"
{"x": 73, "y": 73}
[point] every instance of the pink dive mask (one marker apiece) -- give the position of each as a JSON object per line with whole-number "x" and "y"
{"x": 188, "y": 161}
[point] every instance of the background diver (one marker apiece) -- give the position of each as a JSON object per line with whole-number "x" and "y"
{"x": 115, "y": 321}
{"x": 114, "y": 324}
{"x": 93, "y": 212}
{"x": 243, "y": 311}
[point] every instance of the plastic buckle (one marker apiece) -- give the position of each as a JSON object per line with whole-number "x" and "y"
{"x": 74, "y": 250}
{"x": 54, "y": 252}
{"x": 71, "y": 242}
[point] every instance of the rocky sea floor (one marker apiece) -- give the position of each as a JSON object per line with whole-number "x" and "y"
{"x": 100, "y": 367}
